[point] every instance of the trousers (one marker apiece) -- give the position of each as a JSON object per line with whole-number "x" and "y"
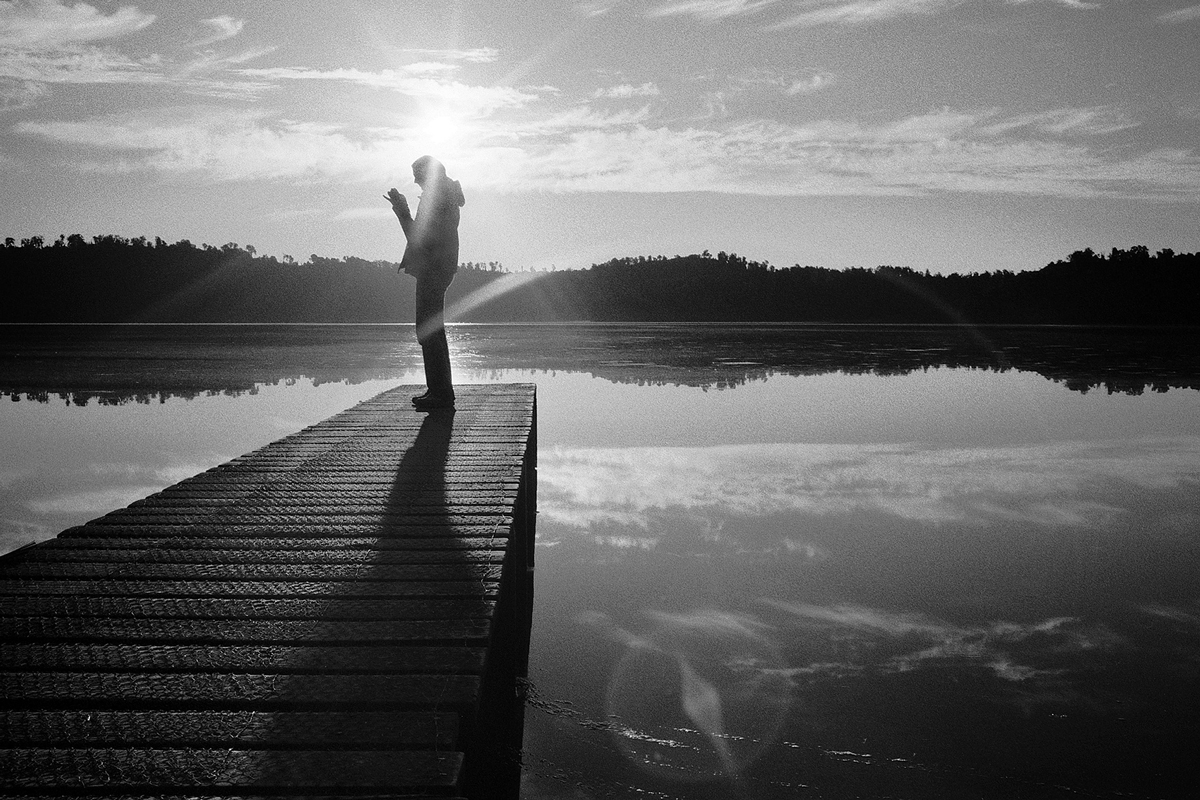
{"x": 431, "y": 331}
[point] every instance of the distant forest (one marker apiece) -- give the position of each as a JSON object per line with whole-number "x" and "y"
{"x": 114, "y": 279}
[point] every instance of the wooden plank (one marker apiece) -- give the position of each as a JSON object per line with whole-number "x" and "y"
{"x": 215, "y": 555}
{"x": 173, "y": 729}
{"x": 359, "y": 557}
{"x": 493, "y": 517}
{"x": 134, "y": 571}
{"x": 269, "y": 691}
{"x": 49, "y": 629}
{"x": 275, "y": 658}
{"x": 329, "y": 502}
{"x": 38, "y": 587}
{"x": 142, "y": 768}
{"x": 267, "y": 546}
{"x": 208, "y": 608}
{"x": 423, "y": 529}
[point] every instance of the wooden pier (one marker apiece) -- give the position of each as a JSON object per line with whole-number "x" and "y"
{"x": 342, "y": 613}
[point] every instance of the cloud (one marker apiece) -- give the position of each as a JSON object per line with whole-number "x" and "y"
{"x": 16, "y": 94}
{"x": 365, "y": 212}
{"x": 195, "y": 76}
{"x": 220, "y": 29}
{"x": 80, "y": 66}
{"x": 1082, "y": 5}
{"x": 822, "y": 80}
{"x": 1186, "y": 14}
{"x": 578, "y": 118}
{"x": 851, "y": 12}
{"x": 938, "y": 152}
{"x": 46, "y": 42}
{"x": 50, "y": 25}
{"x": 1095, "y": 121}
{"x": 477, "y": 55}
{"x": 509, "y": 139}
{"x": 626, "y": 90}
{"x": 856, "y": 12}
{"x": 412, "y": 81}
{"x": 710, "y": 10}
{"x": 224, "y": 145}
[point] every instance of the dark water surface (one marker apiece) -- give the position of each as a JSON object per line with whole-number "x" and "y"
{"x": 783, "y": 561}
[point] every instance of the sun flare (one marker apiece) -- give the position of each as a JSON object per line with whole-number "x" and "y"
{"x": 439, "y": 131}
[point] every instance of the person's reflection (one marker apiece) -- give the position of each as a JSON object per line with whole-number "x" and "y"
{"x": 431, "y": 256}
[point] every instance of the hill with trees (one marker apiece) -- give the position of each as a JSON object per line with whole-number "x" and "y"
{"x": 114, "y": 279}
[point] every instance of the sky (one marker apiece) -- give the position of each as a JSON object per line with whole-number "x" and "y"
{"x": 948, "y": 135}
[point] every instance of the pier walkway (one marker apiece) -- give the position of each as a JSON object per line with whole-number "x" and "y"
{"x": 342, "y": 613}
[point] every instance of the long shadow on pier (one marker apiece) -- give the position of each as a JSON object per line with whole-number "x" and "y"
{"x": 462, "y": 680}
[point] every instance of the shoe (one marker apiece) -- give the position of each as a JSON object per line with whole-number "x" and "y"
{"x": 432, "y": 402}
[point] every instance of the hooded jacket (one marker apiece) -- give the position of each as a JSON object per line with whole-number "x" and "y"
{"x": 433, "y": 237}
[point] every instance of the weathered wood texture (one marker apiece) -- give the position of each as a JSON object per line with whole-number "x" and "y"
{"x": 326, "y": 616}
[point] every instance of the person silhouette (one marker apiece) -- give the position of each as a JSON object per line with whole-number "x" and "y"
{"x": 431, "y": 256}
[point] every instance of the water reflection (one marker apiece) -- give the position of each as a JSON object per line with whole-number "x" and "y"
{"x": 64, "y": 465}
{"x": 869, "y": 620}
{"x": 917, "y": 563}
{"x": 1059, "y": 483}
{"x": 146, "y": 363}
{"x": 714, "y": 677}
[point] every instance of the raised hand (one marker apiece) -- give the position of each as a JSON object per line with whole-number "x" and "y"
{"x": 398, "y": 201}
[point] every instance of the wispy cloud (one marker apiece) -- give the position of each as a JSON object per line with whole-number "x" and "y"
{"x": 363, "y": 212}
{"x": 856, "y": 12}
{"x": 1186, "y": 14}
{"x": 89, "y": 65}
{"x": 16, "y": 94}
{"x": 710, "y": 10}
{"x": 476, "y": 55}
{"x": 850, "y": 12}
{"x": 50, "y": 25}
{"x": 811, "y": 85}
{"x": 43, "y": 41}
{"x": 220, "y": 144}
{"x": 1095, "y": 121}
{"x": 625, "y": 90}
{"x": 413, "y": 81}
{"x": 1083, "y": 5}
{"x": 219, "y": 29}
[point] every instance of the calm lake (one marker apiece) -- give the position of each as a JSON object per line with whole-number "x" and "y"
{"x": 773, "y": 561}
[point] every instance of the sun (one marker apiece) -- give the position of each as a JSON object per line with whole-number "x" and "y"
{"x": 439, "y": 130}
{"x": 441, "y": 127}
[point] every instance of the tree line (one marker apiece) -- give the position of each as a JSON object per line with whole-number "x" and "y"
{"x": 115, "y": 279}
{"x": 79, "y": 364}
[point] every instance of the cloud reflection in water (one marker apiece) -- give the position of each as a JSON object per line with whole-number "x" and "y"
{"x": 869, "y": 590}
{"x": 887, "y": 642}
{"x": 1053, "y": 484}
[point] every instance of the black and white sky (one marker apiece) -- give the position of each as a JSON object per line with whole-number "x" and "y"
{"x": 950, "y": 135}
